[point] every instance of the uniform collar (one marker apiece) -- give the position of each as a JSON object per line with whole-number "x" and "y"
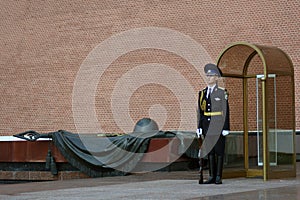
{"x": 212, "y": 88}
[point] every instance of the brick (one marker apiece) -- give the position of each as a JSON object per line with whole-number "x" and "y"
{"x": 43, "y": 46}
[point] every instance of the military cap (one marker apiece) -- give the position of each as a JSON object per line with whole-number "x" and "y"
{"x": 212, "y": 69}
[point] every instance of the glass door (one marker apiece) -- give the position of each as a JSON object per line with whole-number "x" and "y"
{"x": 272, "y": 120}
{"x": 279, "y": 139}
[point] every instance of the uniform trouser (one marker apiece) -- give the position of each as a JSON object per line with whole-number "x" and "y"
{"x": 216, "y": 158}
{"x": 219, "y": 147}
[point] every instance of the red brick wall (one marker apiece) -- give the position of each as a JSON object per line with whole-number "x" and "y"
{"x": 44, "y": 43}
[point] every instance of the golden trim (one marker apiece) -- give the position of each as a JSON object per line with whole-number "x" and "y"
{"x": 213, "y": 113}
{"x": 254, "y": 173}
{"x": 234, "y": 173}
{"x": 265, "y": 133}
{"x": 245, "y": 121}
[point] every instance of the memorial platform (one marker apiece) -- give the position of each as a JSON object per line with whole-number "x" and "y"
{"x": 23, "y": 160}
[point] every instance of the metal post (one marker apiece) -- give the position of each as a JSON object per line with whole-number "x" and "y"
{"x": 265, "y": 130}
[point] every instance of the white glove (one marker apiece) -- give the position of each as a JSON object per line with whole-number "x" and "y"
{"x": 225, "y": 132}
{"x": 199, "y": 132}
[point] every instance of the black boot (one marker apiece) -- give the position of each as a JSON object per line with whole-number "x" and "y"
{"x": 219, "y": 169}
{"x": 212, "y": 170}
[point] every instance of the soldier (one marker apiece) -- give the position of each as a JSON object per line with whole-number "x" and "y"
{"x": 213, "y": 122}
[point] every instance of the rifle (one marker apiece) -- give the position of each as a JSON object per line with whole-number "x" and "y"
{"x": 201, "y": 160}
{"x": 200, "y": 141}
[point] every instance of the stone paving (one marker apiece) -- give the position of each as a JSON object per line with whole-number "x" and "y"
{"x": 154, "y": 185}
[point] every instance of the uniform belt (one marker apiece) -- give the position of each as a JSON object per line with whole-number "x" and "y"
{"x": 213, "y": 113}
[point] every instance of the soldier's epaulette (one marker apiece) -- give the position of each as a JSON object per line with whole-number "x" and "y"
{"x": 202, "y": 90}
{"x": 223, "y": 89}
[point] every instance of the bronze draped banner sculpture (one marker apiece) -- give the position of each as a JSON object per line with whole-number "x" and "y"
{"x": 118, "y": 153}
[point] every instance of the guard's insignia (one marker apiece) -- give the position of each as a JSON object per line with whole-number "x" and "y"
{"x": 226, "y": 95}
{"x": 217, "y": 99}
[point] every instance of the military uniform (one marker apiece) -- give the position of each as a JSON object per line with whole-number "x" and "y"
{"x": 212, "y": 121}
